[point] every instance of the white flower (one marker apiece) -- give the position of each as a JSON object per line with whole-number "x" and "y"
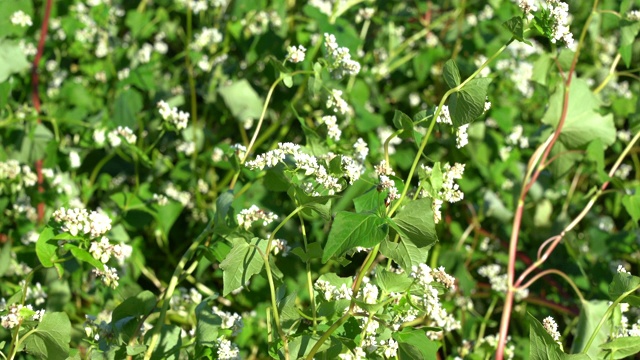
{"x": 633, "y": 15}
{"x": 74, "y": 160}
{"x": 444, "y": 117}
{"x": 333, "y": 131}
{"x": 337, "y": 103}
{"x": 227, "y": 350}
{"x": 20, "y": 18}
{"x": 340, "y": 59}
{"x": 296, "y": 54}
{"x": 109, "y": 276}
{"x": 246, "y": 217}
{"x": 179, "y": 119}
{"x": 551, "y": 327}
{"x": 462, "y": 138}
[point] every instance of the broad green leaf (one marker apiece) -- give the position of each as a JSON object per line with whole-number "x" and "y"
{"x": 350, "y": 230}
{"x": 51, "y": 338}
{"x": 314, "y": 251}
{"x": 544, "y": 210}
{"x": 543, "y": 347}
{"x": 515, "y": 25}
{"x": 628, "y": 32}
{"x": 168, "y": 214}
{"x": 136, "y": 306}
{"x": 320, "y": 204}
{"x": 170, "y": 343}
{"x": 468, "y": 103}
{"x": 590, "y": 314}
{"x": 223, "y": 206}
{"x": 392, "y": 282}
{"x": 622, "y": 283}
{"x": 370, "y": 201}
{"x": 540, "y": 69}
{"x": 242, "y": 100}
{"x": 34, "y": 144}
{"x": 451, "y": 74}
{"x": 622, "y": 347}
{"x": 5, "y": 258}
{"x": 207, "y": 325}
{"x": 402, "y": 122}
{"x": 404, "y": 253}
{"x": 126, "y": 108}
{"x": 415, "y": 220}
{"x": 583, "y": 123}
{"x": 595, "y": 153}
{"x": 7, "y": 28}
{"x": 632, "y": 205}
{"x": 288, "y": 311}
{"x": 427, "y": 349}
{"x": 12, "y": 58}
{"x": 45, "y": 248}
{"x": 83, "y": 255}
{"x": 243, "y": 262}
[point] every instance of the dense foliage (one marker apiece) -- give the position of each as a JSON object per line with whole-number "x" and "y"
{"x": 326, "y": 179}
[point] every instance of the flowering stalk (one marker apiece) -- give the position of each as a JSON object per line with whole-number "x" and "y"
{"x": 517, "y": 220}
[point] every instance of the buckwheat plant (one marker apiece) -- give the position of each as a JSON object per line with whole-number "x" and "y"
{"x": 330, "y": 179}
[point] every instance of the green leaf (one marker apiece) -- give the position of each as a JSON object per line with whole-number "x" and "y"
{"x": 350, "y": 230}
{"x": 243, "y": 262}
{"x": 623, "y": 283}
{"x": 34, "y": 145}
{"x": 46, "y": 247}
{"x": 590, "y": 315}
{"x": 515, "y": 25}
{"x": 583, "y": 123}
{"x": 320, "y": 204}
{"x": 135, "y": 306}
{"x": 242, "y": 100}
{"x": 5, "y": 258}
{"x": 288, "y": 311}
{"x": 622, "y": 347}
{"x": 170, "y": 343}
{"x": 83, "y": 255}
{"x": 126, "y": 108}
{"x": 168, "y": 214}
{"x": 12, "y": 58}
{"x": 404, "y": 253}
{"x": 541, "y": 68}
{"x": 415, "y": 220}
{"x": 223, "y": 206}
{"x": 451, "y": 74}
{"x": 402, "y": 122}
{"x": 632, "y": 205}
{"x": 468, "y": 103}
{"x": 371, "y": 201}
{"x": 51, "y": 338}
{"x": 543, "y": 347}
{"x": 392, "y": 282}
{"x": 207, "y": 325}
{"x": 595, "y": 153}
{"x": 7, "y": 28}
{"x": 427, "y": 349}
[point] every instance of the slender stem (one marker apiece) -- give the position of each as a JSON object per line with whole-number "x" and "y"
{"x": 605, "y": 317}
{"x": 487, "y": 316}
{"x": 312, "y": 299}
{"x": 172, "y": 286}
{"x": 557, "y": 272}
{"x": 328, "y": 333}
{"x": 610, "y": 75}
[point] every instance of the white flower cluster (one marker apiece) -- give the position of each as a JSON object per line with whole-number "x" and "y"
{"x": 229, "y": 320}
{"x": 340, "y": 59}
{"x": 333, "y": 130}
{"x": 115, "y": 136}
{"x": 516, "y": 137}
{"x": 330, "y": 292}
{"x": 303, "y": 162}
{"x": 551, "y": 327}
{"x": 369, "y": 293}
{"x": 246, "y": 217}
{"x": 177, "y": 118}
{"x": 20, "y": 18}
{"x": 80, "y": 221}
{"x": 450, "y": 191}
{"x": 337, "y": 103}
{"x": 183, "y": 197}
{"x": 103, "y": 250}
{"x": 633, "y": 15}
{"x": 327, "y": 6}
{"x": 281, "y": 246}
{"x": 462, "y": 138}
{"x": 15, "y": 177}
{"x": 17, "y": 313}
{"x": 444, "y": 117}
{"x": 227, "y": 350}
{"x": 498, "y": 281}
{"x": 109, "y": 276}
{"x": 387, "y": 184}
{"x": 206, "y": 37}
{"x": 425, "y": 275}
{"x": 559, "y": 13}
{"x": 364, "y": 14}
{"x": 295, "y": 54}
{"x": 626, "y": 328}
{"x": 358, "y": 354}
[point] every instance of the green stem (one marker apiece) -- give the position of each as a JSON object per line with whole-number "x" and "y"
{"x": 312, "y": 298}
{"x": 172, "y": 286}
{"x": 328, "y": 333}
{"x": 606, "y": 316}
{"x": 487, "y": 316}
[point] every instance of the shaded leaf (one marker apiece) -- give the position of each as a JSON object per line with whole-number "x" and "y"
{"x": 468, "y": 103}
{"x": 350, "y": 230}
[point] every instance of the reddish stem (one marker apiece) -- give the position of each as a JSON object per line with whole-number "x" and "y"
{"x": 35, "y": 97}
